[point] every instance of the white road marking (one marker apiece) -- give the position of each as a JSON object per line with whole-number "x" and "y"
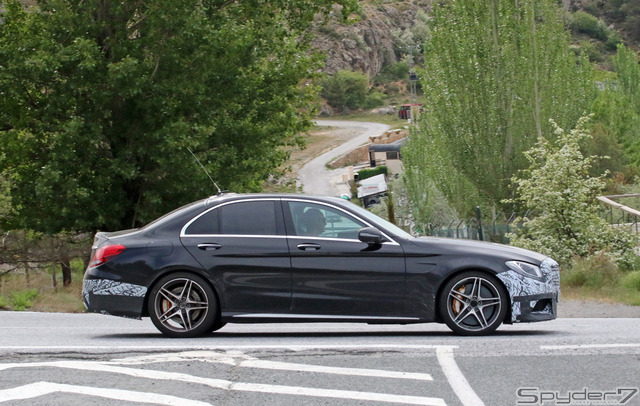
{"x": 44, "y": 388}
{"x": 239, "y": 359}
{"x": 148, "y": 348}
{"x": 588, "y": 346}
{"x": 456, "y": 379}
{"x": 228, "y": 385}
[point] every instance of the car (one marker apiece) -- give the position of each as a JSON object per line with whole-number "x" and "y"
{"x": 278, "y": 258}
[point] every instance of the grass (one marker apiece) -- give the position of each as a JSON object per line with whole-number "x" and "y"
{"x": 597, "y": 279}
{"x": 37, "y": 293}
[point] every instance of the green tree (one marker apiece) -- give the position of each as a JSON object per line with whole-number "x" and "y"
{"x": 616, "y": 110}
{"x": 345, "y": 89}
{"x": 496, "y": 72}
{"x": 100, "y": 101}
{"x": 558, "y": 187}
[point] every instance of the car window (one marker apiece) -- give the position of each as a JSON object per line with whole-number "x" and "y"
{"x": 310, "y": 219}
{"x": 241, "y": 218}
{"x": 208, "y": 223}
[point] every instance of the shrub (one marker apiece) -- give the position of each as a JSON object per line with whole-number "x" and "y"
{"x": 585, "y": 23}
{"x": 3, "y": 303}
{"x": 345, "y": 89}
{"x": 631, "y": 281}
{"x": 368, "y": 173}
{"x": 24, "y": 299}
{"x": 593, "y": 272}
{"x": 557, "y": 184}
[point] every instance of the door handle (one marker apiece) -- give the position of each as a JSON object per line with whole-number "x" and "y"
{"x": 209, "y": 246}
{"x": 306, "y": 246}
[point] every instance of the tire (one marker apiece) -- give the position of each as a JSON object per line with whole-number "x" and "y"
{"x": 183, "y": 305}
{"x": 473, "y": 303}
{"x": 217, "y": 326}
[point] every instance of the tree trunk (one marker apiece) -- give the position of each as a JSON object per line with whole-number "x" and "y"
{"x": 66, "y": 272}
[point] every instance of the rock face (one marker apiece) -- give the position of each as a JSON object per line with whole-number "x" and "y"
{"x": 377, "y": 40}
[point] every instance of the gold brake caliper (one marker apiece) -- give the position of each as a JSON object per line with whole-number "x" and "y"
{"x": 456, "y": 304}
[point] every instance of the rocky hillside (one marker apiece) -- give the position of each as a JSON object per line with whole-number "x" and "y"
{"x": 389, "y": 31}
{"x": 385, "y": 33}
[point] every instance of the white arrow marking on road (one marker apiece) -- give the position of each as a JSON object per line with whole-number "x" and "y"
{"x": 228, "y": 385}
{"x": 44, "y": 388}
{"x": 240, "y": 359}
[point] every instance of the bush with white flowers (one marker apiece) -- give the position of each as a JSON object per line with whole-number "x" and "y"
{"x": 558, "y": 186}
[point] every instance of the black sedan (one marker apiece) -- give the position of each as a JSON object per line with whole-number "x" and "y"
{"x": 290, "y": 258}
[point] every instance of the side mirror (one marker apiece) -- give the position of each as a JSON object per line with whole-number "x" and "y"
{"x": 371, "y": 236}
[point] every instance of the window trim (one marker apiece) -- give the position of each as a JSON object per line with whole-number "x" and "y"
{"x": 279, "y": 228}
{"x": 289, "y": 219}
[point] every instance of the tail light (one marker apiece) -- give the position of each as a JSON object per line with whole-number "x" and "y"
{"x": 105, "y": 254}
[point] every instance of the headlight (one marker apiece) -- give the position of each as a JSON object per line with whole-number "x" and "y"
{"x": 526, "y": 269}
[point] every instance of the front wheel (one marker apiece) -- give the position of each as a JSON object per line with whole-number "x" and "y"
{"x": 473, "y": 303}
{"x": 183, "y": 305}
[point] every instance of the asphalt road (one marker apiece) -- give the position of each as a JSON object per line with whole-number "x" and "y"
{"x": 315, "y": 177}
{"x": 73, "y": 359}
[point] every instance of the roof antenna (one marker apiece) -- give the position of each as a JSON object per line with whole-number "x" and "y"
{"x": 205, "y": 171}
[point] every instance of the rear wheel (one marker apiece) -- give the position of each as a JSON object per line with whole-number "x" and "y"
{"x": 473, "y": 303}
{"x": 183, "y": 305}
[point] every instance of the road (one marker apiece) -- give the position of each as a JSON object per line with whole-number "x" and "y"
{"x": 315, "y": 177}
{"x": 73, "y": 359}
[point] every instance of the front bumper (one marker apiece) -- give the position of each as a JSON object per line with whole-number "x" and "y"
{"x": 531, "y": 299}
{"x": 114, "y": 298}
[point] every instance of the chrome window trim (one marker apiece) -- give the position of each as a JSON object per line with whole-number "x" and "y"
{"x": 233, "y": 236}
{"x": 184, "y": 228}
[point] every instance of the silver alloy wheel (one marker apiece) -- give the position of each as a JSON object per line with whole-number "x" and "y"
{"x": 474, "y": 304}
{"x": 181, "y": 305}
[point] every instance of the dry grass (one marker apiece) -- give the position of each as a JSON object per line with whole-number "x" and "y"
{"x": 16, "y": 286}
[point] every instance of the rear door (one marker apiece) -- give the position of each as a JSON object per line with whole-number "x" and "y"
{"x": 242, "y": 244}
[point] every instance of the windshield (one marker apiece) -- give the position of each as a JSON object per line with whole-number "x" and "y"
{"x": 384, "y": 223}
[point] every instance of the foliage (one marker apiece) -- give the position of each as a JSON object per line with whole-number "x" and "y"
{"x": 557, "y": 185}
{"x": 3, "y": 303}
{"x": 346, "y": 89}
{"x": 495, "y": 73}
{"x": 586, "y": 23}
{"x": 592, "y": 272}
{"x": 631, "y": 281}
{"x": 5, "y": 198}
{"x": 368, "y": 173}
{"x": 393, "y": 72}
{"x": 101, "y": 101}
{"x": 23, "y": 300}
{"x": 616, "y": 110}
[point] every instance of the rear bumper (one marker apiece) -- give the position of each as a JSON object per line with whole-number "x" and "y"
{"x": 114, "y": 298}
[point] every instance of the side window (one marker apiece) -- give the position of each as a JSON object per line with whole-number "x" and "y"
{"x": 310, "y": 219}
{"x": 249, "y": 218}
{"x": 243, "y": 218}
{"x": 208, "y": 223}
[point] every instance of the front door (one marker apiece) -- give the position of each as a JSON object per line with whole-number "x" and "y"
{"x": 334, "y": 273}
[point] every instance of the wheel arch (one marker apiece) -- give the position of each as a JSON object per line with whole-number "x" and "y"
{"x": 172, "y": 270}
{"x": 487, "y": 271}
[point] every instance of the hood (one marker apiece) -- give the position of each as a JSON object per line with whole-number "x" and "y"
{"x": 452, "y": 246}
